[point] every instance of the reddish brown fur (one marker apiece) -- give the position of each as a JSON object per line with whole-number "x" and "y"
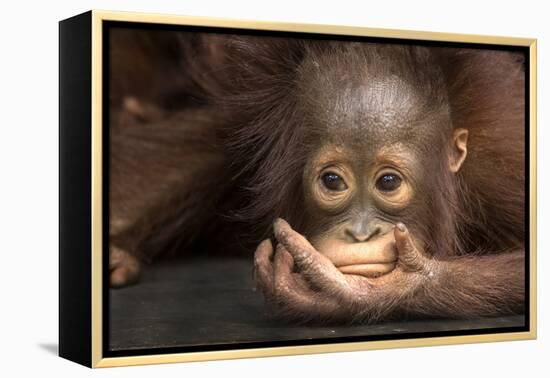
{"x": 487, "y": 92}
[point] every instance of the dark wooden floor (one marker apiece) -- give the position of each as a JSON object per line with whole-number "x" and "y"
{"x": 201, "y": 302}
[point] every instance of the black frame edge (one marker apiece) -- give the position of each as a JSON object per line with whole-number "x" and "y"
{"x": 75, "y": 182}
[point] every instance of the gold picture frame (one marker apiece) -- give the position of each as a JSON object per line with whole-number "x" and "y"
{"x": 82, "y": 257}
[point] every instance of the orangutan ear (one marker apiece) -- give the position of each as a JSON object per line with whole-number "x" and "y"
{"x": 459, "y": 149}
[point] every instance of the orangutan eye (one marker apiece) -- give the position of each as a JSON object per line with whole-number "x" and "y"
{"x": 333, "y": 182}
{"x": 388, "y": 182}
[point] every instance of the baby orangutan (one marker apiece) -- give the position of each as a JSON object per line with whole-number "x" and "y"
{"x": 381, "y": 197}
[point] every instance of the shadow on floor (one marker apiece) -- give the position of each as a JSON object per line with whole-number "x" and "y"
{"x": 50, "y": 348}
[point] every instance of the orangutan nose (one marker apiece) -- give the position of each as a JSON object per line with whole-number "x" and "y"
{"x": 362, "y": 234}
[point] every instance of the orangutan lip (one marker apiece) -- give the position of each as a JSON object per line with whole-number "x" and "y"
{"x": 367, "y": 264}
{"x": 370, "y": 263}
{"x": 364, "y": 253}
{"x": 370, "y": 270}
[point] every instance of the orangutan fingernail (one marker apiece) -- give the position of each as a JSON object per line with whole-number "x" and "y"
{"x": 401, "y": 227}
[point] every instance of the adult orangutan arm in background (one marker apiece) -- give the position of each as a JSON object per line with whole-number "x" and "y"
{"x": 305, "y": 285}
{"x": 161, "y": 139}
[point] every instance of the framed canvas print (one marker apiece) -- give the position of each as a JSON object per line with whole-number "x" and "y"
{"x": 234, "y": 189}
